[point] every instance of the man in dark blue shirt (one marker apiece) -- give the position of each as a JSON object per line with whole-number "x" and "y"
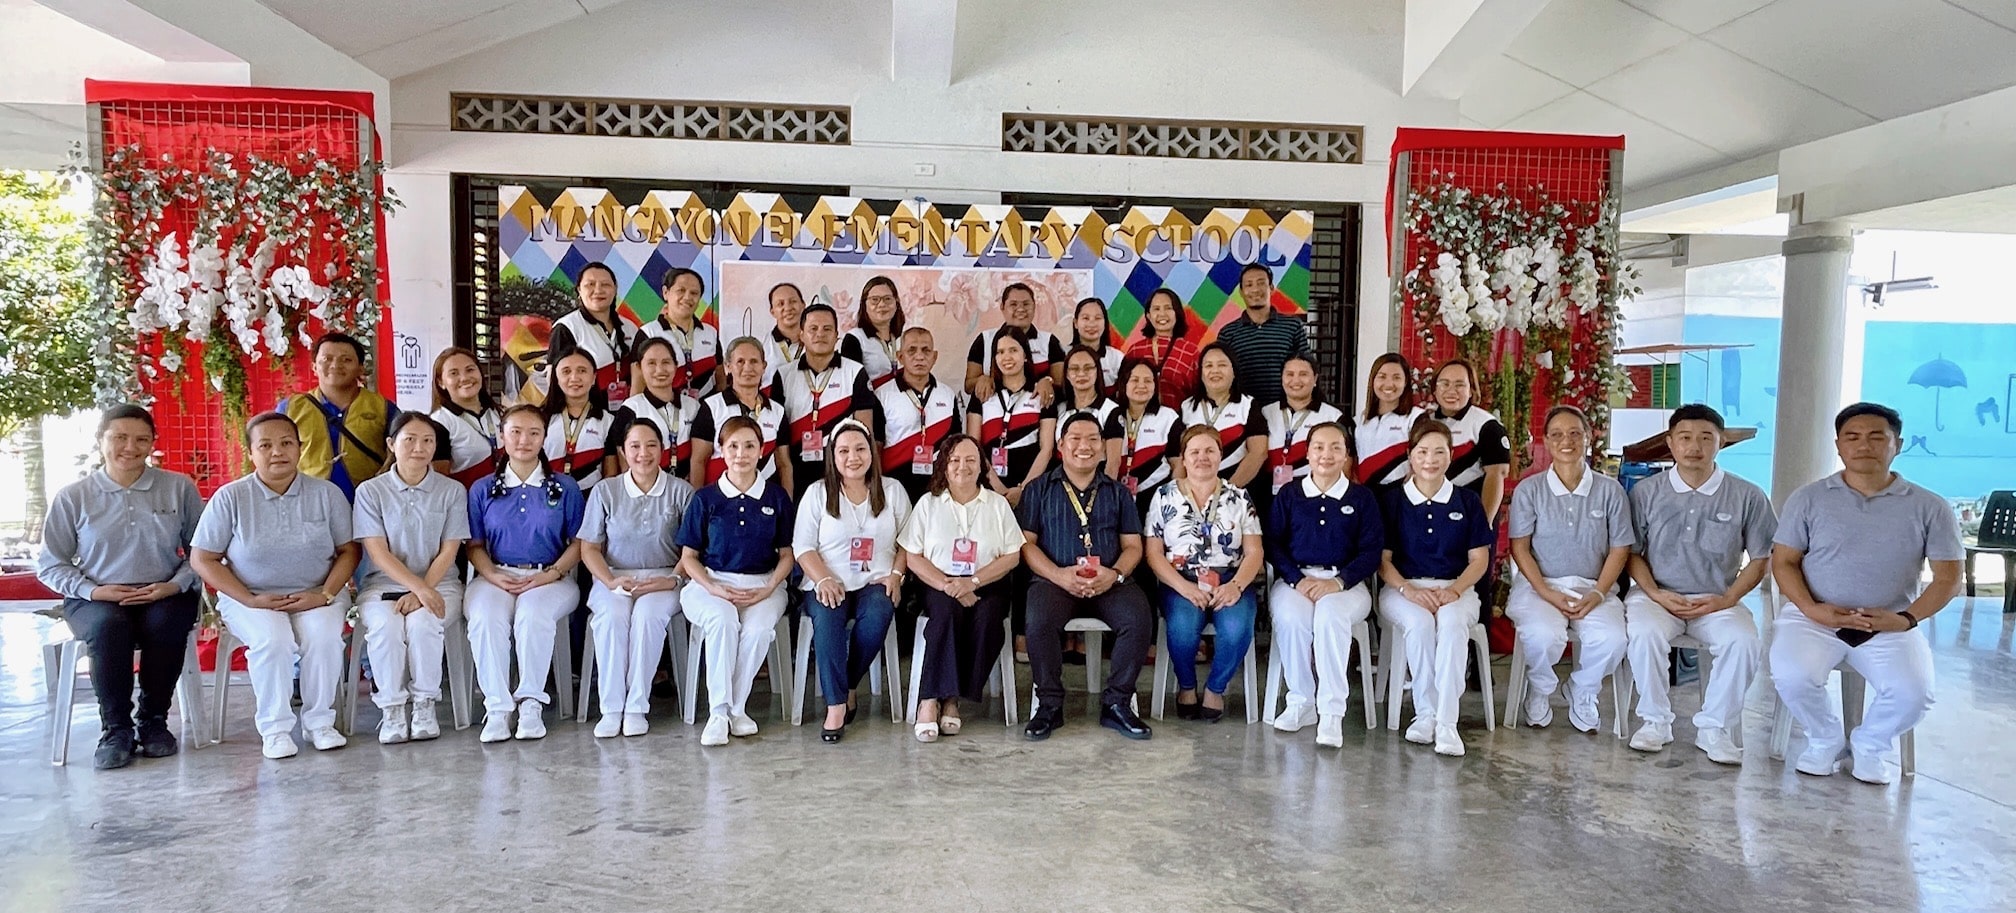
{"x": 1084, "y": 538}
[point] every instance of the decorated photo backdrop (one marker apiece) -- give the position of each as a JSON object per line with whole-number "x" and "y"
{"x": 950, "y": 262}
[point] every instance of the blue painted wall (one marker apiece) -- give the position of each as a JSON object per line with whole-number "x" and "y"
{"x": 1961, "y": 440}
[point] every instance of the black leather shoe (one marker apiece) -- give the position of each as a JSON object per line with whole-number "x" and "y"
{"x": 831, "y": 736}
{"x": 1041, "y": 725}
{"x": 115, "y": 749}
{"x": 1189, "y": 711}
{"x": 1210, "y": 714}
{"x": 155, "y": 740}
{"x": 1121, "y": 719}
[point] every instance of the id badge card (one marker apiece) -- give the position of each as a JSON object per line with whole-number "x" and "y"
{"x": 618, "y": 391}
{"x": 1208, "y": 578}
{"x": 860, "y": 553}
{"x": 1088, "y": 566}
{"x": 965, "y": 557}
{"x": 1283, "y": 474}
{"x": 920, "y": 460}
{"x": 1131, "y": 482}
{"x": 812, "y": 445}
{"x": 1001, "y": 461}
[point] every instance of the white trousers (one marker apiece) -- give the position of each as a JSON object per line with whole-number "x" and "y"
{"x": 1321, "y": 631}
{"x": 406, "y": 650}
{"x": 629, "y": 639}
{"x": 1897, "y": 665}
{"x": 497, "y": 619}
{"x": 725, "y": 631}
{"x": 1436, "y": 645}
{"x": 1730, "y": 637}
{"x": 1543, "y": 636}
{"x": 274, "y": 642}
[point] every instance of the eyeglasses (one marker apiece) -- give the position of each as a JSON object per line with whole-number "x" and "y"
{"x": 1452, "y": 385}
{"x": 880, "y": 299}
{"x": 1563, "y": 437}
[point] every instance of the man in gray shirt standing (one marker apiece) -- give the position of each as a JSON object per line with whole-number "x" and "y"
{"x": 1696, "y": 524}
{"x": 1848, "y": 556}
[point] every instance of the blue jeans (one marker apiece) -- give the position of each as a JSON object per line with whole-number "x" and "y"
{"x": 843, "y": 660}
{"x": 1234, "y": 624}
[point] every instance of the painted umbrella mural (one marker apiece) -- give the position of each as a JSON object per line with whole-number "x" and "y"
{"x": 1938, "y": 374}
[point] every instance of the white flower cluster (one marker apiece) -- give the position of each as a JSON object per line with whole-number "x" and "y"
{"x": 1523, "y": 289}
{"x": 255, "y": 298}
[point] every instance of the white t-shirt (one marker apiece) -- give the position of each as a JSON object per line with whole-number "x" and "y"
{"x": 859, "y": 547}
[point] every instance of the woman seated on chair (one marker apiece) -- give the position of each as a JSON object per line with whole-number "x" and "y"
{"x": 626, "y": 545}
{"x": 1204, "y": 547}
{"x": 412, "y": 522}
{"x": 1438, "y": 545}
{"x": 735, "y": 549}
{"x": 522, "y": 522}
{"x": 1324, "y": 539}
{"x": 961, "y": 543}
{"x": 277, "y": 548}
{"x": 113, "y": 547}
{"x": 845, "y": 540}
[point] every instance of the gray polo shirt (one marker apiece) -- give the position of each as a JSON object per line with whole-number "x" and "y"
{"x": 414, "y": 520}
{"x": 1573, "y": 530}
{"x": 1696, "y": 538}
{"x": 282, "y": 543}
{"x": 98, "y": 533}
{"x": 635, "y": 527}
{"x": 1867, "y": 553}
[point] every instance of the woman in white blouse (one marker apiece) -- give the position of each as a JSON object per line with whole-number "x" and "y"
{"x": 961, "y": 542}
{"x": 1204, "y": 546}
{"x": 845, "y": 540}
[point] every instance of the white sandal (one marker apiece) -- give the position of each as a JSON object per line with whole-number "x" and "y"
{"x": 927, "y": 732}
{"x": 949, "y": 725}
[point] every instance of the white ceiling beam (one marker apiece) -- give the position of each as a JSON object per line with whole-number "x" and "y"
{"x": 922, "y": 34}
{"x": 142, "y": 29}
{"x": 1448, "y": 41}
{"x": 1919, "y": 161}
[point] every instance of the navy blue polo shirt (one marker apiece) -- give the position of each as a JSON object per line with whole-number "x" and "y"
{"x": 1431, "y": 535}
{"x": 1046, "y": 511}
{"x": 1315, "y": 528}
{"x": 531, "y": 521}
{"x": 738, "y": 532}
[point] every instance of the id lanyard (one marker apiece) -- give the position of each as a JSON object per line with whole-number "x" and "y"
{"x": 824, "y": 380}
{"x": 1084, "y": 511}
{"x": 570, "y": 428}
{"x": 784, "y": 346}
{"x": 479, "y": 423}
{"x": 1133, "y": 427}
{"x": 670, "y": 419}
{"x": 1294, "y": 425}
{"x": 1008, "y": 408}
{"x": 681, "y": 345}
{"x": 1160, "y": 357}
{"x": 1210, "y": 416}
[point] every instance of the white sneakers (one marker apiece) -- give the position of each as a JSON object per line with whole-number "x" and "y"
{"x": 1652, "y": 737}
{"x": 635, "y": 724}
{"x": 1820, "y": 759}
{"x": 425, "y": 726}
{"x": 609, "y": 726}
{"x": 740, "y": 725}
{"x": 716, "y": 732}
{"x": 1294, "y": 717}
{"x": 1869, "y": 767}
{"x": 394, "y": 728}
{"x": 279, "y": 746}
{"x": 496, "y": 727}
{"x": 1422, "y": 730}
{"x": 1582, "y": 712}
{"x": 327, "y": 739}
{"x": 531, "y": 720}
{"x": 1539, "y": 712}
{"x": 1447, "y": 742}
{"x": 1720, "y": 748}
{"x": 1330, "y": 731}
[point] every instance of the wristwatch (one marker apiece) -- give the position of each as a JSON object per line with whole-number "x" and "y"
{"x": 1909, "y": 619}
{"x": 1121, "y": 578}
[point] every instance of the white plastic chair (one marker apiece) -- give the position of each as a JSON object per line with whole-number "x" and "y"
{"x": 802, "y": 678}
{"x": 458, "y": 682}
{"x": 59, "y": 664}
{"x": 1165, "y": 672}
{"x": 780, "y": 669}
{"x": 1394, "y": 672}
{"x": 1095, "y": 632}
{"x": 346, "y": 689}
{"x": 1004, "y": 672}
{"x": 675, "y": 639}
{"x": 1852, "y": 688}
{"x": 1626, "y": 688}
{"x": 1515, "y": 687}
{"x": 1361, "y": 637}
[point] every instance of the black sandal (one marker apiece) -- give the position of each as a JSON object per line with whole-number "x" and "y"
{"x": 1189, "y": 711}
{"x": 831, "y": 736}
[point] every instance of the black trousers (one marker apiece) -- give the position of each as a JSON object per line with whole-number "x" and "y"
{"x": 962, "y": 645}
{"x": 111, "y": 632}
{"x": 1122, "y": 608}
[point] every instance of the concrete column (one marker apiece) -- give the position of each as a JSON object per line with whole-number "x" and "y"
{"x": 1813, "y": 340}
{"x": 1377, "y": 323}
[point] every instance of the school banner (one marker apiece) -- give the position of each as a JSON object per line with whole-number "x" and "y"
{"x": 949, "y": 263}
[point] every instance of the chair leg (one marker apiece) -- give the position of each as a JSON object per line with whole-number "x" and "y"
{"x": 1163, "y": 671}
{"x": 62, "y": 659}
{"x": 916, "y": 671}
{"x": 226, "y": 645}
{"x": 675, "y": 636}
{"x": 1620, "y": 694}
{"x": 1007, "y": 663}
{"x": 1361, "y": 634}
{"x": 563, "y": 667}
{"x": 804, "y": 657}
{"x": 1781, "y": 732}
{"x": 1274, "y": 681}
{"x": 690, "y": 697}
{"x": 1907, "y": 753}
{"x": 1095, "y": 656}
{"x": 893, "y": 663}
{"x": 461, "y": 677}
{"x": 1396, "y": 679}
{"x": 1252, "y": 664}
{"x": 1482, "y": 642}
{"x": 587, "y": 676}
{"x": 780, "y": 668}
{"x": 346, "y": 703}
{"x": 189, "y": 700}
{"x": 1515, "y": 686}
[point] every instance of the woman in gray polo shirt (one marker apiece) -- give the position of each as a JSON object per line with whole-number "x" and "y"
{"x": 626, "y": 545}
{"x": 411, "y": 521}
{"x": 276, "y": 546}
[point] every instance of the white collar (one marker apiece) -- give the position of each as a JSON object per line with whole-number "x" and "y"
{"x": 511, "y": 480}
{"x": 728, "y": 488}
{"x": 657, "y": 486}
{"x": 1555, "y": 485}
{"x": 1336, "y": 490}
{"x": 1707, "y": 488}
{"x": 1441, "y": 495}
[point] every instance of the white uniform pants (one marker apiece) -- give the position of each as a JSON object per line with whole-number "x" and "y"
{"x": 1320, "y": 630}
{"x": 274, "y": 641}
{"x": 1543, "y": 635}
{"x": 629, "y": 639}
{"x": 406, "y": 650}
{"x": 497, "y": 618}
{"x": 725, "y": 631}
{"x": 1436, "y": 645}
{"x": 1730, "y": 637}
{"x": 1897, "y": 665}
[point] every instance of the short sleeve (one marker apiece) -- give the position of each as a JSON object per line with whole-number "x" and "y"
{"x": 895, "y": 499}
{"x": 1759, "y": 524}
{"x": 1249, "y": 525}
{"x": 444, "y": 448}
{"x": 864, "y": 397}
{"x": 457, "y": 527}
{"x": 1640, "y": 500}
{"x": 1794, "y": 530}
{"x": 213, "y": 531}
{"x": 910, "y": 532}
{"x": 703, "y": 424}
{"x": 595, "y": 520}
{"x": 787, "y": 516}
{"x": 1494, "y": 446}
{"x": 338, "y": 510}
{"x": 572, "y": 507}
{"x": 1130, "y": 519}
{"x": 976, "y": 353}
{"x": 1525, "y": 516}
{"x": 1481, "y": 535}
{"x": 368, "y": 517}
{"x": 805, "y": 529}
{"x": 973, "y": 407}
{"x": 1027, "y": 514}
{"x": 850, "y": 347}
{"x": 1942, "y": 532}
{"x": 1154, "y": 524}
{"x": 1008, "y": 535}
{"x": 1114, "y": 429}
{"x": 693, "y": 526}
{"x": 1621, "y": 532}
{"x": 1056, "y": 352}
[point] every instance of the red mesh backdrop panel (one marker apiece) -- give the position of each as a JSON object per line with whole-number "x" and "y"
{"x": 184, "y": 122}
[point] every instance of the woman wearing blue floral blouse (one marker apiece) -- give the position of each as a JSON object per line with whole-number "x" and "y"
{"x": 1204, "y": 546}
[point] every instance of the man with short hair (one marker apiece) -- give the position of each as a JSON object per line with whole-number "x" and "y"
{"x": 1261, "y": 338}
{"x": 342, "y": 421}
{"x": 1848, "y": 556}
{"x": 1704, "y": 542}
{"x": 819, "y": 390}
{"x": 917, "y": 413}
{"x": 1084, "y": 538}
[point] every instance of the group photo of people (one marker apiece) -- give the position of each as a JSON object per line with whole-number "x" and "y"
{"x": 1188, "y": 491}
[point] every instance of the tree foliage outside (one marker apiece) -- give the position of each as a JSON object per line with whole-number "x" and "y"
{"x": 45, "y": 347}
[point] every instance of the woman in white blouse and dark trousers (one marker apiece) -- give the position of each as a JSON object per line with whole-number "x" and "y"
{"x": 845, "y": 541}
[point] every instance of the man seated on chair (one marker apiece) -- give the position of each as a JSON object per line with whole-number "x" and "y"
{"x": 1848, "y": 556}
{"x": 1695, "y": 524}
{"x": 1084, "y": 538}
